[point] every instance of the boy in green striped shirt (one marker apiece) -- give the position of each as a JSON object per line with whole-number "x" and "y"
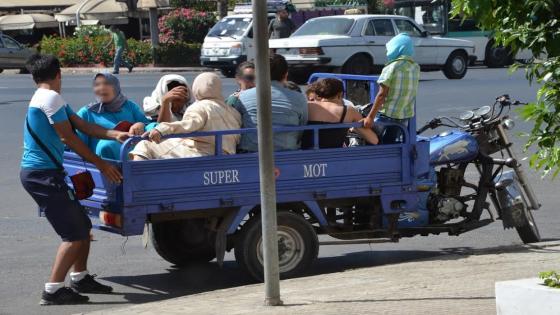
{"x": 398, "y": 84}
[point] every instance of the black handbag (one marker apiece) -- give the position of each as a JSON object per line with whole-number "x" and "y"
{"x": 83, "y": 181}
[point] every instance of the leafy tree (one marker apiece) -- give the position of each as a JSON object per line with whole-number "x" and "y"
{"x": 533, "y": 25}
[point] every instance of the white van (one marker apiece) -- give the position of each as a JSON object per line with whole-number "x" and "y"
{"x": 229, "y": 43}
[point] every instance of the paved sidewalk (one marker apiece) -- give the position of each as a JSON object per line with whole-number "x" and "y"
{"x": 450, "y": 284}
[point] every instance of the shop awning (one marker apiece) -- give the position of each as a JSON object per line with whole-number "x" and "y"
{"x": 152, "y": 4}
{"x": 13, "y": 4}
{"x": 27, "y": 21}
{"x": 94, "y": 10}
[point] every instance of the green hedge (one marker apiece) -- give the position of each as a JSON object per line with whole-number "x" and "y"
{"x": 90, "y": 51}
{"x": 179, "y": 54}
{"x": 76, "y": 51}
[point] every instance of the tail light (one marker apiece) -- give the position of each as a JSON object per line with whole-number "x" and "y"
{"x": 311, "y": 51}
{"x": 111, "y": 219}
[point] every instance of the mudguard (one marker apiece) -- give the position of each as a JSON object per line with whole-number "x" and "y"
{"x": 510, "y": 200}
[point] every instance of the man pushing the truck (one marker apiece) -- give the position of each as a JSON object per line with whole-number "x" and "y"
{"x": 49, "y": 126}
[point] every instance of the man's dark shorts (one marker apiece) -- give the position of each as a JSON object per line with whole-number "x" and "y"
{"x": 57, "y": 201}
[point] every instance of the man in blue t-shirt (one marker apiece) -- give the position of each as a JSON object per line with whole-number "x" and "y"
{"x": 49, "y": 126}
{"x": 289, "y": 109}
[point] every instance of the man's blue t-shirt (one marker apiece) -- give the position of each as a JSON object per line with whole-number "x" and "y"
{"x": 289, "y": 108}
{"x": 46, "y": 108}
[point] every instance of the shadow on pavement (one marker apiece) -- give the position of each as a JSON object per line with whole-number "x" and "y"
{"x": 202, "y": 278}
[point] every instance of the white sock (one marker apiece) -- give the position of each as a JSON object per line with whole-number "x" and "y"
{"x": 52, "y": 287}
{"x": 77, "y": 276}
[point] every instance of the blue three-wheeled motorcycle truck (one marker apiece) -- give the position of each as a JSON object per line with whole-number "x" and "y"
{"x": 196, "y": 209}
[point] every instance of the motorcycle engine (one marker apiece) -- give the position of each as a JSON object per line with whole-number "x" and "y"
{"x": 443, "y": 209}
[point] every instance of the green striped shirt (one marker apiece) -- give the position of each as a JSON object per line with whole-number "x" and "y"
{"x": 401, "y": 76}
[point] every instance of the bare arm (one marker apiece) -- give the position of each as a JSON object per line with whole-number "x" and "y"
{"x": 97, "y": 131}
{"x": 68, "y": 137}
{"x": 377, "y": 104}
{"x": 177, "y": 94}
{"x": 366, "y": 133}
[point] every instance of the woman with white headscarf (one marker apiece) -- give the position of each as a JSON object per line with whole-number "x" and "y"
{"x": 209, "y": 112}
{"x": 169, "y": 99}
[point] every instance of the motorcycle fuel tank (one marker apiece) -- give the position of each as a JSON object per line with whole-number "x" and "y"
{"x": 452, "y": 146}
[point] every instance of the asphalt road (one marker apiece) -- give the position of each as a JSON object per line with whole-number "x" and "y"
{"x": 28, "y": 243}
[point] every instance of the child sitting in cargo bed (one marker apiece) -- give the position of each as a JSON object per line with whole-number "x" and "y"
{"x": 398, "y": 84}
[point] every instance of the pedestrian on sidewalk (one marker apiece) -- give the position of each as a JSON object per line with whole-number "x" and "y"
{"x": 282, "y": 26}
{"x": 49, "y": 126}
{"x": 119, "y": 40}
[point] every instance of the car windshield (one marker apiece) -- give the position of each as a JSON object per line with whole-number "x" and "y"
{"x": 334, "y": 26}
{"x": 230, "y": 27}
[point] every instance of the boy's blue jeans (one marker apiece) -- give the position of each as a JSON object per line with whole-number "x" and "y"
{"x": 386, "y": 130}
{"x": 119, "y": 61}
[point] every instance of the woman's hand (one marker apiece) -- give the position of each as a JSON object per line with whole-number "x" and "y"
{"x": 137, "y": 129}
{"x": 153, "y": 135}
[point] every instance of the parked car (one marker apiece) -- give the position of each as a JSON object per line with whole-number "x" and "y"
{"x": 355, "y": 44}
{"x": 13, "y": 55}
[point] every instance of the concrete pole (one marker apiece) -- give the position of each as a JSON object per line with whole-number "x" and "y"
{"x": 266, "y": 156}
{"x": 154, "y": 31}
{"x": 222, "y": 8}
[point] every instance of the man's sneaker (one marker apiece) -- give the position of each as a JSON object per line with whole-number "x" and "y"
{"x": 89, "y": 285}
{"x": 63, "y": 296}
{"x": 130, "y": 68}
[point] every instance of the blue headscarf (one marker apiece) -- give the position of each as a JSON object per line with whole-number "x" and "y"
{"x": 400, "y": 45}
{"x": 116, "y": 103}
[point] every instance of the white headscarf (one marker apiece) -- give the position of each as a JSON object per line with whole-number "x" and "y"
{"x": 152, "y": 103}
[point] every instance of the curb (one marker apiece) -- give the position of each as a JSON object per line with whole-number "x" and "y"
{"x": 125, "y": 72}
{"x": 503, "y": 249}
{"x": 136, "y": 70}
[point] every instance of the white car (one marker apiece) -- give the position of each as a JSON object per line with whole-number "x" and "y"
{"x": 355, "y": 44}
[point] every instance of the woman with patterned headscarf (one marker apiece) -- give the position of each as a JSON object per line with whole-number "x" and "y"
{"x": 112, "y": 110}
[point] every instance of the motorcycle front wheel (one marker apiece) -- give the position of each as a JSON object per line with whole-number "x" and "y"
{"x": 529, "y": 232}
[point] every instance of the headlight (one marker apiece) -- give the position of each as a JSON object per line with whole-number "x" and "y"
{"x": 235, "y": 49}
{"x": 206, "y": 51}
{"x": 312, "y": 51}
{"x": 508, "y": 124}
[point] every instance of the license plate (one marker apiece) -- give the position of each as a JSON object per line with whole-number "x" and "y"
{"x": 213, "y": 58}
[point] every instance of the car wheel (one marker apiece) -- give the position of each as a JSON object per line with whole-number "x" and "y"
{"x": 456, "y": 65}
{"x": 23, "y": 71}
{"x": 298, "y": 246}
{"x": 228, "y": 72}
{"x": 497, "y": 56}
{"x": 359, "y": 64}
{"x": 1, "y": 70}
{"x": 182, "y": 242}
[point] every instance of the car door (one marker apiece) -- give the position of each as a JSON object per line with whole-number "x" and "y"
{"x": 4, "y": 60}
{"x": 377, "y": 33}
{"x": 425, "y": 50}
{"x": 16, "y": 55}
